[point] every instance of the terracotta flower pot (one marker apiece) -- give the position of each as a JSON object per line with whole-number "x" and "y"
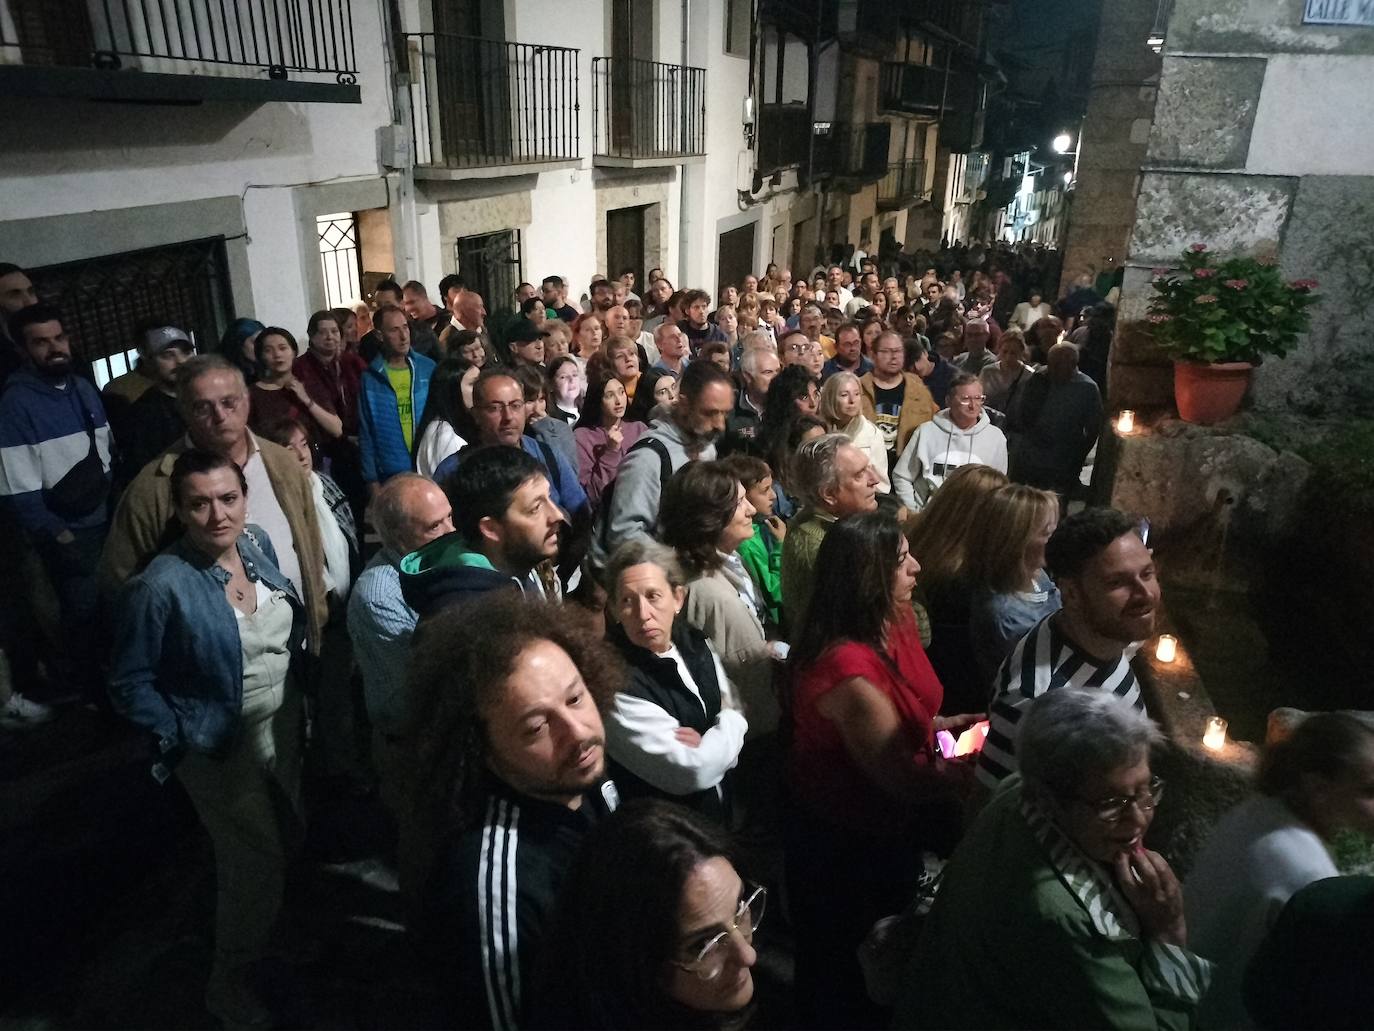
{"x": 1209, "y": 393}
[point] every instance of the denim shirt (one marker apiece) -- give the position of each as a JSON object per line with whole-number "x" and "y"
{"x": 177, "y": 667}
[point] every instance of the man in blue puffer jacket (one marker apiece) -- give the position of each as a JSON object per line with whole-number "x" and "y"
{"x": 394, "y": 390}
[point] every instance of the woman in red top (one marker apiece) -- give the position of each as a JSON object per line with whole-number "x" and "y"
{"x": 867, "y": 783}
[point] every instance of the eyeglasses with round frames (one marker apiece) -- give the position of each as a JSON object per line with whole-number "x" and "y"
{"x": 1114, "y": 808}
{"x": 969, "y": 402}
{"x": 710, "y": 959}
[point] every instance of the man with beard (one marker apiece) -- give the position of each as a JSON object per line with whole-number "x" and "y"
{"x": 55, "y": 480}
{"x": 505, "y": 536}
{"x": 629, "y": 508}
{"x": 509, "y": 776}
{"x": 1106, "y": 578}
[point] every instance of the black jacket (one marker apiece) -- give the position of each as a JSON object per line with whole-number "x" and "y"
{"x": 656, "y": 679}
{"x": 491, "y": 896}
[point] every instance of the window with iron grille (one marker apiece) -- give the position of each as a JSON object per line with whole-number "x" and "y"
{"x": 103, "y": 300}
{"x": 490, "y": 264}
{"x": 338, "y": 237}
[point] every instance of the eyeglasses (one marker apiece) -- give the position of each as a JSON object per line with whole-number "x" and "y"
{"x": 969, "y": 402}
{"x": 710, "y": 960}
{"x": 1113, "y": 809}
{"x": 498, "y": 407}
{"x": 203, "y": 409}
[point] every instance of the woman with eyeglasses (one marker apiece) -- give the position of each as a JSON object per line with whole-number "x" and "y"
{"x": 654, "y": 928}
{"x": 1313, "y": 785}
{"x": 1052, "y": 913}
{"x": 961, "y": 434}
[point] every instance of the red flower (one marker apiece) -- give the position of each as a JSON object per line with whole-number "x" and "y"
{"x": 1304, "y": 284}
{"x": 1206, "y": 299}
{"x": 1157, "y": 319}
{"x": 1204, "y": 273}
{"x": 1237, "y": 284}
{"x": 1198, "y": 248}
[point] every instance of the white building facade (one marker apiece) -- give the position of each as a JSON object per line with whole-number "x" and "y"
{"x": 270, "y": 157}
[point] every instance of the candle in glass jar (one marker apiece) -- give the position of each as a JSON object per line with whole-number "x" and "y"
{"x": 1167, "y": 648}
{"x": 1214, "y": 737}
{"x": 1125, "y": 422}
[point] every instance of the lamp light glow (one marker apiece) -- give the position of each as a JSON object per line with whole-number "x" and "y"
{"x": 1167, "y": 648}
{"x": 1125, "y": 422}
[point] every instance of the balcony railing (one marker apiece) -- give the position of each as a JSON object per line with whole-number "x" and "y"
{"x": 784, "y": 137}
{"x": 912, "y": 89}
{"x": 184, "y": 49}
{"x": 852, "y": 154}
{"x": 903, "y": 185}
{"x": 482, "y": 103}
{"x": 647, "y": 111}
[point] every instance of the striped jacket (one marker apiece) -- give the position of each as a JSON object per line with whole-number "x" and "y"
{"x": 1044, "y": 660}
{"x": 492, "y": 895}
{"x": 43, "y": 434}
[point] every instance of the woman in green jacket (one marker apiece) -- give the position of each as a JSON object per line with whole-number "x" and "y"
{"x": 1052, "y": 913}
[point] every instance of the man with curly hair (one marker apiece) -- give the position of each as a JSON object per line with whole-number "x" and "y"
{"x": 508, "y": 776}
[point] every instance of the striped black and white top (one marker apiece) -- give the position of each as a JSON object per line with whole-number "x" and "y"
{"x": 492, "y": 895}
{"x": 1044, "y": 660}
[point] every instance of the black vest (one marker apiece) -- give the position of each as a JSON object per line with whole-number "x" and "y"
{"x": 656, "y": 679}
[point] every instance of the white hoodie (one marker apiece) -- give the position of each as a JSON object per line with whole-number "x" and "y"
{"x": 939, "y": 447}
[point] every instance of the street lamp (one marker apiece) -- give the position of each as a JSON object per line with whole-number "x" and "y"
{"x": 1062, "y": 143}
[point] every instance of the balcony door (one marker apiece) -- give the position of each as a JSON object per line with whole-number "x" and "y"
{"x": 473, "y": 79}
{"x": 631, "y": 104}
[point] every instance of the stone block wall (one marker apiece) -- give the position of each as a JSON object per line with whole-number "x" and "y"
{"x": 1253, "y": 151}
{"x": 1115, "y": 132}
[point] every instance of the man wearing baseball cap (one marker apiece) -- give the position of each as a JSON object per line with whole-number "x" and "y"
{"x": 153, "y": 422}
{"x": 526, "y": 343}
{"x": 119, "y": 395}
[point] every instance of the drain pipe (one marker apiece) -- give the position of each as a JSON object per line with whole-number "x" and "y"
{"x": 684, "y": 219}
{"x": 400, "y": 146}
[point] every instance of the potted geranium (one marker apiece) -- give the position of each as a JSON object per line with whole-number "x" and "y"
{"x": 1218, "y": 320}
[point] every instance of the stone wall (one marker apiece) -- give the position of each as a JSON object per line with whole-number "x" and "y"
{"x": 1259, "y": 146}
{"x": 1116, "y": 129}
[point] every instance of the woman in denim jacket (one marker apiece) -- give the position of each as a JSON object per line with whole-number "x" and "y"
{"x": 206, "y": 639}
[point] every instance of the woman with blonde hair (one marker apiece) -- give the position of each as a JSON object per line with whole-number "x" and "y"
{"x": 841, "y": 410}
{"x": 941, "y": 536}
{"x": 1005, "y": 565}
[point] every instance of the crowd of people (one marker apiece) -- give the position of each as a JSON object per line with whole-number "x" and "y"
{"x": 642, "y": 593}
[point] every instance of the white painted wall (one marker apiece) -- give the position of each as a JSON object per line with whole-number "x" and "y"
{"x": 1309, "y": 121}
{"x": 713, "y": 188}
{"x": 110, "y": 157}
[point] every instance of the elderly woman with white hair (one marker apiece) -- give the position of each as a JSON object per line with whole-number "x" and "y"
{"x": 1052, "y": 912}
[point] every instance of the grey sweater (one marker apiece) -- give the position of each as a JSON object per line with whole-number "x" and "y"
{"x": 633, "y": 508}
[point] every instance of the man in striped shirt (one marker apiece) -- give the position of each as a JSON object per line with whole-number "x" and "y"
{"x": 1107, "y": 579}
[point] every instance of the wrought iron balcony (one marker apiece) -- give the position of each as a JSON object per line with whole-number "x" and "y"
{"x": 647, "y": 112}
{"x": 179, "y": 51}
{"x": 784, "y": 137}
{"x": 912, "y": 89}
{"x": 852, "y": 155}
{"x": 903, "y": 185}
{"x": 481, "y": 106}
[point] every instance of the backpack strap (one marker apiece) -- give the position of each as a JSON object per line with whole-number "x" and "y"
{"x": 665, "y": 472}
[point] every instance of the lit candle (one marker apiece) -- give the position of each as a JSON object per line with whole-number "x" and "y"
{"x": 1125, "y": 422}
{"x": 1167, "y": 648}
{"x": 1214, "y": 737}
